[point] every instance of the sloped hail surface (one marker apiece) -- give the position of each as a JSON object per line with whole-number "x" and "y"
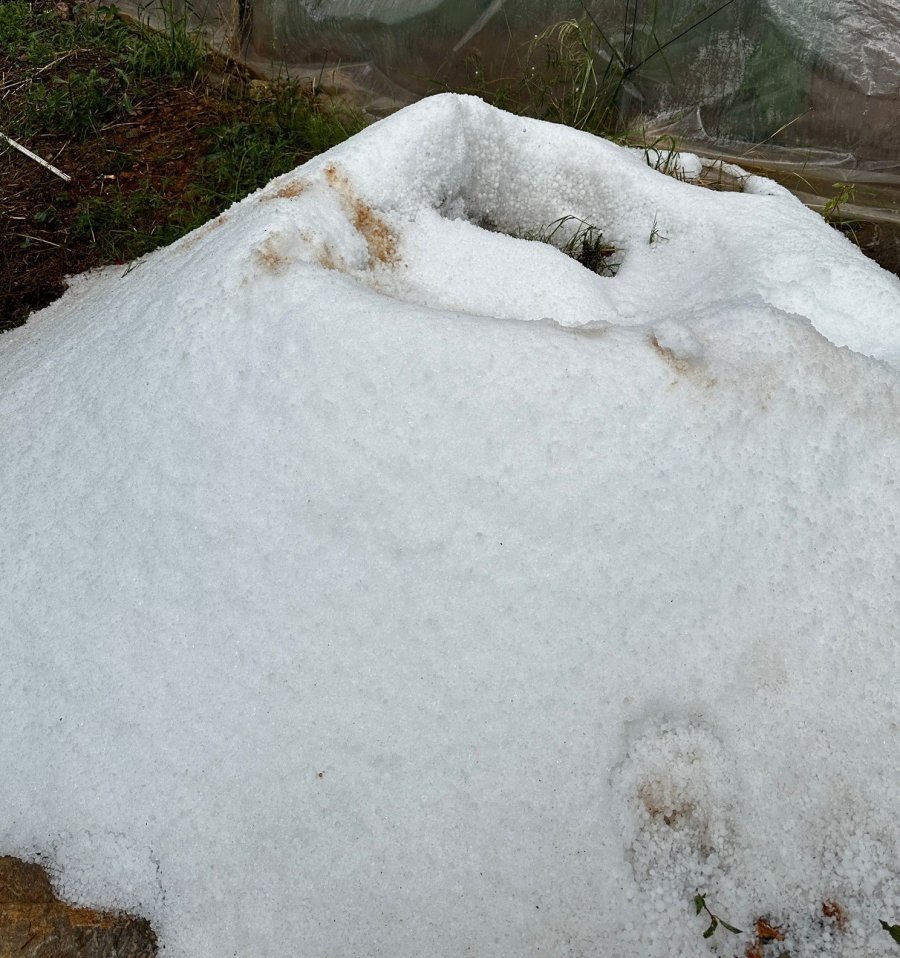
{"x": 346, "y": 613}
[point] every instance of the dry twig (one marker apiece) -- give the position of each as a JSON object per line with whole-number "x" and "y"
{"x": 33, "y": 156}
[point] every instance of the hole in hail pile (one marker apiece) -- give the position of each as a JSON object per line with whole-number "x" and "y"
{"x": 586, "y": 242}
{"x": 465, "y": 252}
{"x": 577, "y": 238}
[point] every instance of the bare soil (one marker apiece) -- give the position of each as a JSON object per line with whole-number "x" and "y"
{"x": 153, "y": 154}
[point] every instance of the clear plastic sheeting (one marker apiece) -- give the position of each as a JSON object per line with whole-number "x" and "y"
{"x": 381, "y": 11}
{"x": 862, "y": 195}
{"x": 858, "y": 39}
{"x": 738, "y": 79}
{"x": 821, "y": 73}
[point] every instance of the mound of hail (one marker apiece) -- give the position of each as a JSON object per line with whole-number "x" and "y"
{"x": 378, "y": 583}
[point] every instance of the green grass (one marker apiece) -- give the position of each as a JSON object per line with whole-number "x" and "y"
{"x": 268, "y": 138}
{"x": 125, "y": 225}
{"x": 77, "y": 104}
{"x": 275, "y": 132}
{"x": 112, "y": 61}
{"x": 583, "y": 242}
{"x": 40, "y": 36}
{"x": 157, "y": 134}
{"x": 579, "y": 72}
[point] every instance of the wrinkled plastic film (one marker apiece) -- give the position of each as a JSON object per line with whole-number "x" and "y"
{"x": 805, "y": 89}
{"x": 821, "y": 73}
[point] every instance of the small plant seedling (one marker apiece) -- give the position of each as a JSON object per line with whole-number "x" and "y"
{"x": 892, "y": 930}
{"x": 714, "y": 920}
{"x": 586, "y": 245}
{"x": 662, "y": 155}
{"x": 832, "y": 209}
{"x": 655, "y": 235}
{"x": 46, "y": 215}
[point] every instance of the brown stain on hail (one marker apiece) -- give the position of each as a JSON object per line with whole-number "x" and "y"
{"x": 679, "y": 365}
{"x": 332, "y": 177}
{"x": 381, "y": 240}
{"x": 326, "y": 258}
{"x": 682, "y": 367}
{"x": 203, "y": 231}
{"x": 289, "y": 191}
{"x": 658, "y": 808}
{"x": 269, "y": 258}
{"x": 831, "y": 909}
{"x": 379, "y": 237}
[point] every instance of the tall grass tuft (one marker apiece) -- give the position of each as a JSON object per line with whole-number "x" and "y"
{"x": 583, "y": 74}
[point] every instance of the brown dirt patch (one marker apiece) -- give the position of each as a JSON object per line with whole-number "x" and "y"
{"x": 205, "y": 230}
{"x": 679, "y": 365}
{"x": 153, "y": 154}
{"x": 659, "y": 808}
{"x": 158, "y": 135}
{"x": 34, "y": 923}
{"x": 379, "y": 237}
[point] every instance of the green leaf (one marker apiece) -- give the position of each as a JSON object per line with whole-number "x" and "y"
{"x": 731, "y": 928}
{"x": 892, "y": 930}
{"x": 712, "y": 927}
{"x": 699, "y": 903}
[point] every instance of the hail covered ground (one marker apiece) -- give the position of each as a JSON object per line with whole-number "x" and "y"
{"x": 380, "y": 581}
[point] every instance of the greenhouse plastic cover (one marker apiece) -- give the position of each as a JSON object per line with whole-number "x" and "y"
{"x": 840, "y": 33}
{"x": 811, "y": 85}
{"x": 829, "y": 68}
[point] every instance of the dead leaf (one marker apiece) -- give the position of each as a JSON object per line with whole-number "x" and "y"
{"x": 831, "y": 909}
{"x": 767, "y": 932}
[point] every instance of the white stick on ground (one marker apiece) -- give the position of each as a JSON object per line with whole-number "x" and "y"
{"x": 35, "y": 157}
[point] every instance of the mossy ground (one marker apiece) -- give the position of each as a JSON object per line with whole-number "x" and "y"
{"x": 157, "y": 134}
